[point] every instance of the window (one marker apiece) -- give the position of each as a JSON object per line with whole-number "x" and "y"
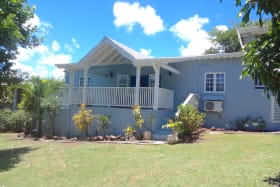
{"x": 258, "y": 83}
{"x": 214, "y": 82}
{"x": 151, "y": 80}
{"x": 81, "y": 81}
{"x": 122, "y": 80}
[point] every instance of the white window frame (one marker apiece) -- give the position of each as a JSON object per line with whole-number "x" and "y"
{"x": 151, "y": 80}
{"x": 274, "y": 105}
{"x": 214, "y": 82}
{"x": 81, "y": 81}
{"x": 124, "y": 77}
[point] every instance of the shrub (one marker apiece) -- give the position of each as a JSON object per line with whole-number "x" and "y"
{"x": 138, "y": 116}
{"x": 103, "y": 123}
{"x": 129, "y": 131}
{"x": 5, "y": 119}
{"x": 14, "y": 121}
{"x": 187, "y": 123}
{"x": 245, "y": 123}
{"x": 21, "y": 120}
{"x": 83, "y": 119}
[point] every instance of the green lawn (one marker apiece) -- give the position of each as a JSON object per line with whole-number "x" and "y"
{"x": 217, "y": 160}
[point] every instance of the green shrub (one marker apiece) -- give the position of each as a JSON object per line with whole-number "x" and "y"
{"x": 245, "y": 123}
{"x": 14, "y": 121}
{"x": 5, "y": 119}
{"x": 20, "y": 120}
{"x": 103, "y": 123}
{"x": 187, "y": 123}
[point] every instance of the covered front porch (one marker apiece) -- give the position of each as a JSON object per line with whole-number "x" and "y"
{"x": 117, "y": 73}
{"x": 118, "y": 97}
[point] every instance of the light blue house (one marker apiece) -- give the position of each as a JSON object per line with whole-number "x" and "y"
{"x": 112, "y": 78}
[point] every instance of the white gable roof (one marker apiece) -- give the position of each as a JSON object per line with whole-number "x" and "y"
{"x": 111, "y": 52}
{"x": 107, "y": 52}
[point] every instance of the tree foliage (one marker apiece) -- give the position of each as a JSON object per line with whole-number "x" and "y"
{"x": 262, "y": 55}
{"x": 224, "y": 41}
{"x": 35, "y": 91}
{"x": 15, "y": 31}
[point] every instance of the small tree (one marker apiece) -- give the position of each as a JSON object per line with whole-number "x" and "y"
{"x": 52, "y": 106}
{"x": 35, "y": 91}
{"x": 83, "y": 119}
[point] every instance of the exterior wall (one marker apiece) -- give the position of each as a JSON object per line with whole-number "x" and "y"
{"x": 100, "y": 75}
{"x": 240, "y": 97}
{"x": 120, "y": 118}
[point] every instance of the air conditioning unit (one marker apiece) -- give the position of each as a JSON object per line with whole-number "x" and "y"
{"x": 213, "y": 106}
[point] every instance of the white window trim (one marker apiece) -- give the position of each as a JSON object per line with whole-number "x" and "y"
{"x": 82, "y": 77}
{"x": 118, "y": 80}
{"x": 214, "y": 86}
{"x": 273, "y": 100}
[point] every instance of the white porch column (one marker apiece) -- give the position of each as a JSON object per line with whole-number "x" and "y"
{"x": 85, "y": 85}
{"x": 70, "y": 87}
{"x": 156, "y": 87}
{"x": 137, "y": 86}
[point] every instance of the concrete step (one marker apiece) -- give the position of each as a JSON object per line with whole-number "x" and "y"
{"x": 161, "y": 134}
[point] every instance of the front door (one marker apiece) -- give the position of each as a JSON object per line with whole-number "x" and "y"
{"x": 144, "y": 81}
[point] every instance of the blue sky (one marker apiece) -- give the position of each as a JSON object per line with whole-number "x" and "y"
{"x": 156, "y": 28}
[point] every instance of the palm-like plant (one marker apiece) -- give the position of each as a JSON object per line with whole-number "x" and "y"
{"x": 36, "y": 90}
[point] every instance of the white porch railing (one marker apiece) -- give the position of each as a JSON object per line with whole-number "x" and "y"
{"x": 118, "y": 96}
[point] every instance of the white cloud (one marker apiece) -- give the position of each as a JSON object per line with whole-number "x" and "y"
{"x": 128, "y": 15}
{"x": 55, "y": 46}
{"x": 70, "y": 47}
{"x": 41, "y": 60}
{"x": 190, "y": 31}
{"x": 51, "y": 59}
{"x": 43, "y": 27}
{"x": 146, "y": 52}
{"x": 75, "y": 43}
{"x": 222, "y": 27}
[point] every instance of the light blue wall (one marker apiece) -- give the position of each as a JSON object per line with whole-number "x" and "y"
{"x": 240, "y": 97}
{"x": 120, "y": 118}
{"x": 100, "y": 75}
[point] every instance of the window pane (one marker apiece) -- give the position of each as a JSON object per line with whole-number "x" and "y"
{"x": 209, "y": 82}
{"x": 220, "y": 82}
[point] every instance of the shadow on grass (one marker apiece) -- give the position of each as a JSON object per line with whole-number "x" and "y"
{"x": 10, "y": 157}
{"x": 274, "y": 181}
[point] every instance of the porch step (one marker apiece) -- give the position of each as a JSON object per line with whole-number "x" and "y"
{"x": 161, "y": 134}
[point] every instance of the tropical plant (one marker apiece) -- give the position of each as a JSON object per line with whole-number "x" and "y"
{"x": 138, "y": 116}
{"x": 129, "y": 131}
{"x": 83, "y": 119}
{"x": 187, "y": 122}
{"x": 52, "y": 106}
{"x": 103, "y": 123}
{"x": 35, "y": 91}
{"x": 245, "y": 123}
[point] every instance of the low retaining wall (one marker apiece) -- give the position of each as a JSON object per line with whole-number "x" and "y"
{"x": 120, "y": 118}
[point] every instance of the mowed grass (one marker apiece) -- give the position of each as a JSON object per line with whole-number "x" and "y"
{"x": 217, "y": 160}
